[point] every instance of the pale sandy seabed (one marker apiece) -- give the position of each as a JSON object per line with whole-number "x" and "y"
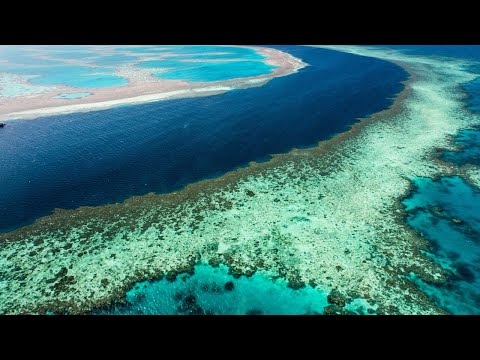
{"x": 142, "y": 87}
{"x": 474, "y": 176}
{"x": 329, "y": 216}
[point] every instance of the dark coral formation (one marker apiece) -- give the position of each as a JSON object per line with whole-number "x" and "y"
{"x": 229, "y": 285}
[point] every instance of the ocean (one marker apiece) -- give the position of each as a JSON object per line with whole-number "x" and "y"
{"x": 447, "y": 210}
{"x": 106, "y": 156}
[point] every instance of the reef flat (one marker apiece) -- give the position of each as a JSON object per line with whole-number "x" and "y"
{"x": 119, "y": 78}
{"x": 473, "y": 175}
{"x": 330, "y": 217}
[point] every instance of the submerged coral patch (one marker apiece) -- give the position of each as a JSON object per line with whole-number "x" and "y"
{"x": 468, "y": 152}
{"x": 447, "y": 212}
{"x": 327, "y": 218}
{"x": 213, "y": 291}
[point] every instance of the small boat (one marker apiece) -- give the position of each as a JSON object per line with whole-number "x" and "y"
{"x": 2, "y": 125}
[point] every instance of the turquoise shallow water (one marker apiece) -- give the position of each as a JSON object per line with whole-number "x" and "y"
{"x": 69, "y": 75}
{"x": 241, "y": 63}
{"x": 212, "y": 291}
{"x": 215, "y": 71}
{"x": 447, "y": 212}
{"x": 114, "y": 60}
{"x": 164, "y": 145}
{"x": 78, "y": 76}
{"x": 210, "y": 51}
{"x": 144, "y": 49}
{"x": 216, "y": 63}
{"x": 449, "y": 206}
{"x": 163, "y": 63}
{"x": 70, "y": 54}
{"x": 20, "y": 60}
{"x": 220, "y": 56}
{"x": 32, "y": 68}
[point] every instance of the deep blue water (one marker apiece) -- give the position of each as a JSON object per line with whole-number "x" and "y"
{"x": 213, "y": 291}
{"x": 106, "y": 156}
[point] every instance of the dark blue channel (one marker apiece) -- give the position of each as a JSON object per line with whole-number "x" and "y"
{"x": 101, "y": 157}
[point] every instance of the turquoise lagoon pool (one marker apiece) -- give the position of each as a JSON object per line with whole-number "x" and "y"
{"x": 447, "y": 212}
{"x": 89, "y": 67}
{"x": 208, "y": 71}
{"x": 213, "y": 291}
